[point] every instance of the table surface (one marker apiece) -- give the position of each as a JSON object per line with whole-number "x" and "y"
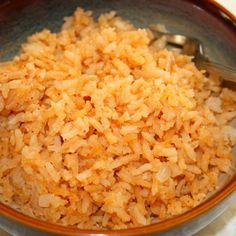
{"x": 225, "y": 224}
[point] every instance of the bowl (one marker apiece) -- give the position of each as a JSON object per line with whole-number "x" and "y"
{"x": 205, "y": 20}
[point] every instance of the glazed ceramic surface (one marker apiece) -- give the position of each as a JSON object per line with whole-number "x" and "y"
{"x": 178, "y": 16}
{"x": 21, "y": 18}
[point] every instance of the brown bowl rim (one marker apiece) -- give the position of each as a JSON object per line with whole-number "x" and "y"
{"x": 157, "y": 227}
{"x": 215, "y": 8}
{"x": 223, "y": 9}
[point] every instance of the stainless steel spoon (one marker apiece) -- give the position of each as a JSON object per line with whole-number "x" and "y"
{"x": 193, "y": 47}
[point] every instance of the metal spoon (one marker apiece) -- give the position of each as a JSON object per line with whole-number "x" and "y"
{"x": 193, "y": 47}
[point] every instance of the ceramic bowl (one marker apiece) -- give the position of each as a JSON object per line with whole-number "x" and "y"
{"x": 205, "y": 20}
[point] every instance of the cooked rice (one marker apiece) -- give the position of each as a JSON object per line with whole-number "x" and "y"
{"x": 100, "y": 129}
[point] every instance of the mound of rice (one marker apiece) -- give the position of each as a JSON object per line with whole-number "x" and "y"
{"x": 100, "y": 129}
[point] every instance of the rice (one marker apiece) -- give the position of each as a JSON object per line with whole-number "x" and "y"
{"x": 102, "y": 129}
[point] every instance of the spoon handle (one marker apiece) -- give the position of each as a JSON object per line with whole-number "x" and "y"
{"x": 225, "y": 72}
